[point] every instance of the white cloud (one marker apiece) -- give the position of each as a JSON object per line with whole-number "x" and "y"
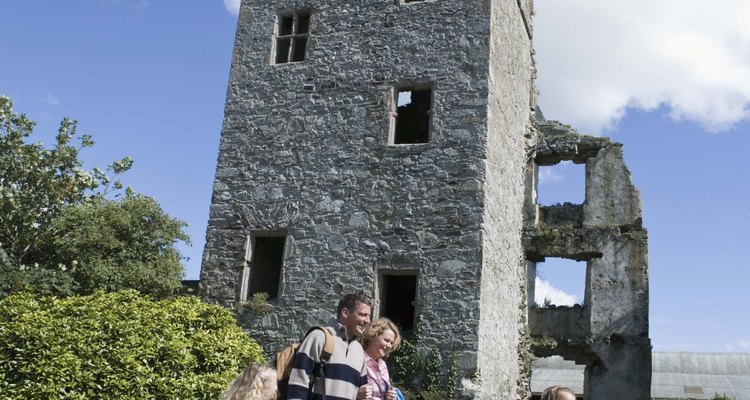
{"x": 555, "y": 173}
{"x": 740, "y": 345}
{"x": 543, "y": 289}
{"x": 598, "y": 58}
{"x": 547, "y": 175}
{"x": 233, "y": 6}
{"x": 50, "y": 100}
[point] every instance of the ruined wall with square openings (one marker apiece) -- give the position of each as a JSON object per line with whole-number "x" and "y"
{"x": 382, "y": 147}
{"x": 608, "y": 333}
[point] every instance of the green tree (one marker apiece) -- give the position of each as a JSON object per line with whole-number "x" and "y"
{"x": 119, "y": 345}
{"x": 65, "y": 229}
{"x": 120, "y": 244}
{"x": 37, "y": 183}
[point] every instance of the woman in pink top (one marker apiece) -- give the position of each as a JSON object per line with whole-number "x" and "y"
{"x": 380, "y": 338}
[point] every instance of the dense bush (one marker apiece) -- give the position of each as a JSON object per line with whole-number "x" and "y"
{"x": 118, "y": 346}
{"x": 111, "y": 245}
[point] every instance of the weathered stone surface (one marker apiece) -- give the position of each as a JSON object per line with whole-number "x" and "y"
{"x": 609, "y": 333}
{"x": 305, "y": 152}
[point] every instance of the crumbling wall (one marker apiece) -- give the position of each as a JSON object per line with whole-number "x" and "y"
{"x": 609, "y": 332}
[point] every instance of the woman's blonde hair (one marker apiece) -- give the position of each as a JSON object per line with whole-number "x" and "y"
{"x": 376, "y": 328}
{"x": 256, "y": 382}
{"x": 551, "y": 392}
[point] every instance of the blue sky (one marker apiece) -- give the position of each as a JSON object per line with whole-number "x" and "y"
{"x": 668, "y": 80}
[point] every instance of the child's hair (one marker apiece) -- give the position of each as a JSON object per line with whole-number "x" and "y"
{"x": 551, "y": 392}
{"x": 256, "y": 382}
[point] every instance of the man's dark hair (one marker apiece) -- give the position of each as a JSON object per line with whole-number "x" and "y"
{"x": 350, "y": 302}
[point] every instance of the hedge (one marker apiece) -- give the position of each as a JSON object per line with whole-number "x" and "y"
{"x": 118, "y": 345}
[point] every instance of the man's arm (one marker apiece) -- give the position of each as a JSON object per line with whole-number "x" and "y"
{"x": 365, "y": 389}
{"x": 307, "y": 356}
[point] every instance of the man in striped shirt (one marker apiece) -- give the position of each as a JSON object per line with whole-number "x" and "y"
{"x": 345, "y": 373}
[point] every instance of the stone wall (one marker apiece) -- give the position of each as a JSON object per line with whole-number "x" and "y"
{"x": 609, "y": 333}
{"x": 503, "y": 290}
{"x": 305, "y": 153}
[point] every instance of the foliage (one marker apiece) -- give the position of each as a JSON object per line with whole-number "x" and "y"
{"x": 128, "y": 243}
{"x": 118, "y": 345}
{"x": 419, "y": 374}
{"x": 721, "y": 397}
{"x": 44, "y": 281}
{"x": 37, "y": 183}
{"x": 258, "y": 303}
{"x": 120, "y": 244}
{"x": 452, "y": 384}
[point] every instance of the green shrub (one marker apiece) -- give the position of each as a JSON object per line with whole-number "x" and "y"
{"x": 419, "y": 373}
{"x": 118, "y": 346}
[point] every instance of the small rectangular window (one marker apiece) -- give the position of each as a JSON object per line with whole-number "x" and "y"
{"x": 267, "y": 259}
{"x": 398, "y": 295}
{"x": 285, "y": 26}
{"x": 299, "y": 49}
{"x": 561, "y": 183}
{"x": 292, "y": 35}
{"x": 560, "y": 282}
{"x": 412, "y": 116}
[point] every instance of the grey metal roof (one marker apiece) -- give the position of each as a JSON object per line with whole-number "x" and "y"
{"x": 674, "y": 375}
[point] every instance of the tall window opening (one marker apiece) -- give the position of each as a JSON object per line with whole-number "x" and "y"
{"x": 398, "y": 297}
{"x": 265, "y": 267}
{"x": 292, "y": 34}
{"x": 412, "y": 116}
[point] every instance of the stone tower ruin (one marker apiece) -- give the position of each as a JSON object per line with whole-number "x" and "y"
{"x": 386, "y": 147}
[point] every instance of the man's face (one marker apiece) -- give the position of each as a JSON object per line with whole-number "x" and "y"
{"x": 355, "y": 319}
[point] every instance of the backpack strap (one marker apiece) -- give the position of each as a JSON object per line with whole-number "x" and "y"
{"x": 325, "y": 356}
{"x": 327, "y": 352}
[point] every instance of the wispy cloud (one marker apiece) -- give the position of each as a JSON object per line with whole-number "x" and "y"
{"x": 136, "y": 5}
{"x": 233, "y": 6}
{"x": 555, "y": 173}
{"x": 543, "y": 290}
{"x": 49, "y": 99}
{"x": 547, "y": 175}
{"x": 740, "y": 345}
{"x": 597, "y": 59}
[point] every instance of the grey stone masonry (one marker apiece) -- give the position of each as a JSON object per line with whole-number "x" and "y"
{"x": 609, "y": 332}
{"x": 307, "y": 155}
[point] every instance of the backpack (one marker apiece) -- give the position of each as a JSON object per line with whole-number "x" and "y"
{"x": 285, "y": 362}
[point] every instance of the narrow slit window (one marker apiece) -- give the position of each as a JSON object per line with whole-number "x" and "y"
{"x": 266, "y": 265}
{"x": 398, "y": 295}
{"x": 412, "y": 116}
{"x": 292, "y": 35}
